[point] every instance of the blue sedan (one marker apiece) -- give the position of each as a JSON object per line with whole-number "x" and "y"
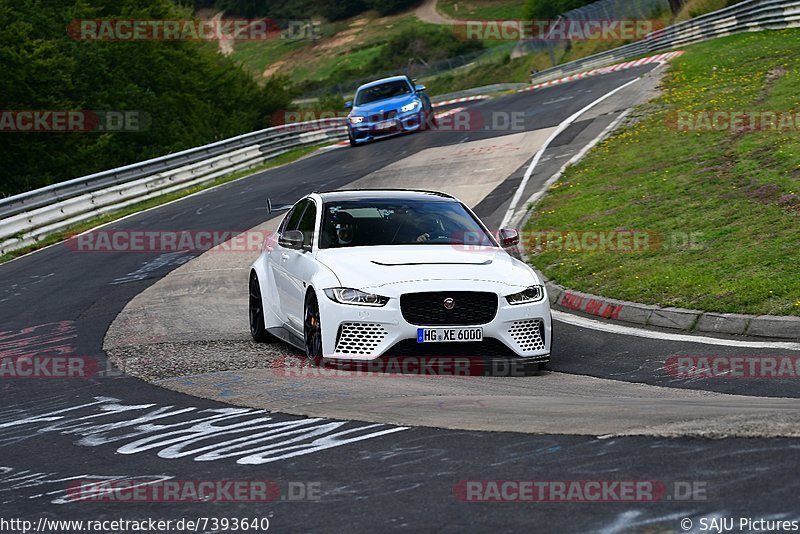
{"x": 388, "y": 106}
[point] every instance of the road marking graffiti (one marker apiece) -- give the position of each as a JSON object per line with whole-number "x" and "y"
{"x": 249, "y": 436}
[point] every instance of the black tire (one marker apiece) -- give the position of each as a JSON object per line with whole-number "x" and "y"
{"x": 256, "y": 312}
{"x": 351, "y": 139}
{"x": 312, "y": 330}
{"x": 425, "y": 121}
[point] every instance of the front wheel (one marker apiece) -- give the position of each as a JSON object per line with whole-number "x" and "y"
{"x": 351, "y": 138}
{"x": 312, "y": 330}
{"x": 257, "y": 328}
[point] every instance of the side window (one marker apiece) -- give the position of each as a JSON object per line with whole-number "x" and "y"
{"x": 293, "y": 217}
{"x": 307, "y": 223}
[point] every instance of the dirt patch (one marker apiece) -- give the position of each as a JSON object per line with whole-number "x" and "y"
{"x": 343, "y": 38}
{"x": 272, "y": 69}
{"x": 769, "y": 83}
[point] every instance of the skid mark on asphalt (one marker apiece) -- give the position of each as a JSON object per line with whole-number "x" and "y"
{"x": 23, "y": 484}
{"x": 17, "y": 289}
{"x": 248, "y": 436}
{"x": 149, "y": 267}
{"x": 51, "y": 339}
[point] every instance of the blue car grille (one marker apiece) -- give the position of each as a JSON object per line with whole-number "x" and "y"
{"x": 385, "y": 115}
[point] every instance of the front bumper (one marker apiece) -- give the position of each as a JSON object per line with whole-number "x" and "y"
{"x": 373, "y": 129}
{"x": 366, "y": 333}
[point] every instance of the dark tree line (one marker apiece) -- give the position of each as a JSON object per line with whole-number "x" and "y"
{"x": 191, "y": 94}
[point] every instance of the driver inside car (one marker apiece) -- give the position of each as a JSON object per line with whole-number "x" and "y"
{"x": 430, "y": 228}
{"x": 345, "y": 227}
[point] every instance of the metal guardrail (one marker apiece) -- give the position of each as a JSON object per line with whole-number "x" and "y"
{"x": 27, "y": 218}
{"x": 749, "y": 15}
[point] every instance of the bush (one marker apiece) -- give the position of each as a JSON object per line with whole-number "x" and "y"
{"x": 390, "y": 7}
{"x": 417, "y": 44}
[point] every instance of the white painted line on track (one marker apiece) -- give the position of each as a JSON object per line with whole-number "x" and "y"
{"x": 534, "y": 198}
{"x": 583, "y": 322}
{"x": 538, "y": 156}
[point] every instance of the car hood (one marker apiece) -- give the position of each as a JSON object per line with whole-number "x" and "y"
{"x": 379, "y": 266}
{"x": 386, "y": 104}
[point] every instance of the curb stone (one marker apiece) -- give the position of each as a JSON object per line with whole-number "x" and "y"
{"x": 775, "y": 326}
{"x": 771, "y": 326}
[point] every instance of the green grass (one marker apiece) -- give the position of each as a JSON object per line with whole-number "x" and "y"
{"x": 283, "y": 159}
{"x": 482, "y": 9}
{"x": 256, "y": 56}
{"x": 737, "y": 192}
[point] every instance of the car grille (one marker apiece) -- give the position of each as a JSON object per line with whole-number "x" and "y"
{"x": 528, "y": 334}
{"x": 427, "y": 309}
{"x": 383, "y": 116}
{"x": 359, "y": 338}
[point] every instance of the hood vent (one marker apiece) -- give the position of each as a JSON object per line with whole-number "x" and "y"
{"x": 487, "y": 262}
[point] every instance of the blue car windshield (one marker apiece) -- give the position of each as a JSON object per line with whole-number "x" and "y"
{"x": 382, "y": 92}
{"x": 358, "y": 223}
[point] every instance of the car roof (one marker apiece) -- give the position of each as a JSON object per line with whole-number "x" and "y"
{"x": 388, "y": 194}
{"x": 384, "y": 80}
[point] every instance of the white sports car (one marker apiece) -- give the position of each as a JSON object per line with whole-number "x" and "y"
{"x": 362, "y": 274}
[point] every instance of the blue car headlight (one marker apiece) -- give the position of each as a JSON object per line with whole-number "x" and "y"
{"x": 355, "y": 120}
{"x": 410, "y": 107}
{"x": 530, "y": 295}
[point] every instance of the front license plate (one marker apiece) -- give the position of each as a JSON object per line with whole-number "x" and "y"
{"x": 449, "y": 335}
{"x": 385, "y": 125}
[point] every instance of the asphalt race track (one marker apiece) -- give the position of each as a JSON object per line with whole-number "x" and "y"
{"x": 364, "y": 475}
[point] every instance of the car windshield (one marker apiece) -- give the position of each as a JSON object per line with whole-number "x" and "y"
{"x": 382, "y": 91}
{"x": 355, "y": 223}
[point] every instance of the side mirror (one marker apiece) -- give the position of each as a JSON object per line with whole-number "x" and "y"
{"x": 348, "y": 105}
{"x": 509, "y": 238}
{"x": 419, "y": 87}
{"x": 292, "y": 239}
{"x": 271, "y": 209}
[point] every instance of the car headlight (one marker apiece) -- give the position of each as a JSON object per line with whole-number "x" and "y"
{"x": 344, "y": 295}
{"x": 532, "y": 294}
{"x": 410, "y": 107}
{"x": 355, "y": 120}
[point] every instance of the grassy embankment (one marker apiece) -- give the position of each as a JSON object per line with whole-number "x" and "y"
{"x": 738, "y": 191}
